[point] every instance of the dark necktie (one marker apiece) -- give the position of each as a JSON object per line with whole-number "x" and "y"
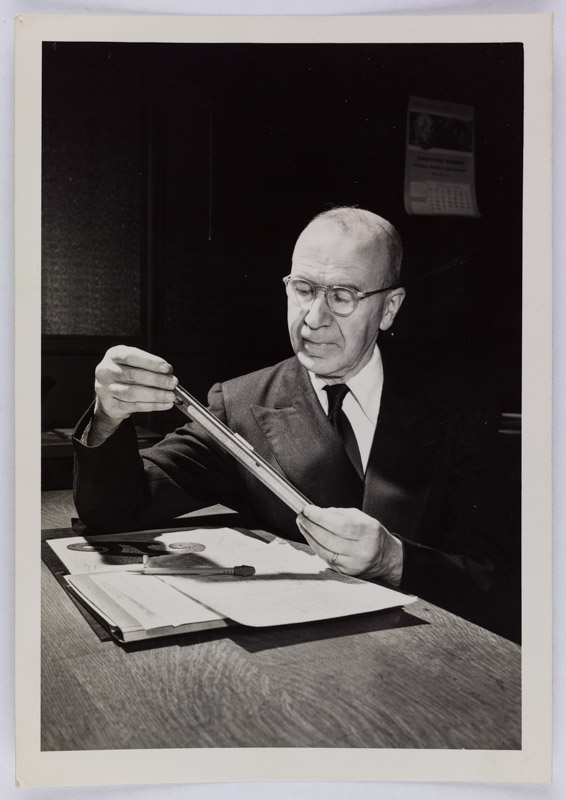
{"x": 340, "y": 422}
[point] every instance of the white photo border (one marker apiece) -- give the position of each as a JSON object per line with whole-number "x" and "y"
{"x": 532, "y": 762}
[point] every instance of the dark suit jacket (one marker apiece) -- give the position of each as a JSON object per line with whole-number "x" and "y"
{"x": 430, "y": 477}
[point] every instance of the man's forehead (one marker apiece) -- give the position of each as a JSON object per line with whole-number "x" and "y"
{"x": 330, "y": 267}
{"x": 328, "y": 248}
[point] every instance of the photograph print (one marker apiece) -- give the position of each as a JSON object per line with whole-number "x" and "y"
{"x": 281, "y": 395}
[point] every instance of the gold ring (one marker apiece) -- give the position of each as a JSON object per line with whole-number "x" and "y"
{"x": 333, "y": 559}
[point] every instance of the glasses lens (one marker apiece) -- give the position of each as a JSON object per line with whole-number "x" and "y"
{"x": 342, "y": 301}
{"x": 300, "y": 292}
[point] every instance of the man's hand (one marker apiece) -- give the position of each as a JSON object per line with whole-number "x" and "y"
{"x": 129, "y": 380}
{"x": 353, "y": 542}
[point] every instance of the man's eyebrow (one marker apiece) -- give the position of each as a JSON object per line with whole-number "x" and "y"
{"x": 339, "y": 285}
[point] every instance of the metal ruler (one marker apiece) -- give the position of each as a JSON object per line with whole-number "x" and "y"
{"x": 242, "y": 451}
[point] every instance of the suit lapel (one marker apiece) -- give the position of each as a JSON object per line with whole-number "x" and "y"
{"x": 299, "y": 439}
{"x": 304, "y": 443}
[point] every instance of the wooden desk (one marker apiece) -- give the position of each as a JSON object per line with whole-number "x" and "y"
{"x": 423, "y": 678}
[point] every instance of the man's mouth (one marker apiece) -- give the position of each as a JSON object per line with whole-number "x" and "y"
{"x": 313, "y": 346}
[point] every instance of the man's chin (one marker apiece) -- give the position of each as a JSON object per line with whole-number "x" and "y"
{"x": 318, "y": 364}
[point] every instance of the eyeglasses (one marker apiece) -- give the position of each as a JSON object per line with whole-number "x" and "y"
{"x": 341, "y": 300}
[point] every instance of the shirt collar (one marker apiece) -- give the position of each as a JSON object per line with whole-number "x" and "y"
{"x": 365, "y": 387}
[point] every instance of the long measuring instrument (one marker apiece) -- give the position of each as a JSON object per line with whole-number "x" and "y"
{"x": 242, "y": 450}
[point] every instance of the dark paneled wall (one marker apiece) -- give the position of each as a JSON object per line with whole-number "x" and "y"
{"x": 92, "y": 192}
{"x": 177, "y": 177}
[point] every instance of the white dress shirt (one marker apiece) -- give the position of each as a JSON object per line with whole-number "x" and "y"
{"x": 361, "y": 404}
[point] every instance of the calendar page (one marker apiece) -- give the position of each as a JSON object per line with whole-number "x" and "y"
{"x": 442, "y": 197}
{"x": 439, "y": 164}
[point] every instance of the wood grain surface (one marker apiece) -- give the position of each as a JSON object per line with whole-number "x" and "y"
{"x": 421, "y": 678}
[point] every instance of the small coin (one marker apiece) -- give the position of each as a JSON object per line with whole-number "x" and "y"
{"x": 187, "y": 547}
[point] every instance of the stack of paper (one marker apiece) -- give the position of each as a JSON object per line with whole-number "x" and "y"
{"x": 291, "y": 584}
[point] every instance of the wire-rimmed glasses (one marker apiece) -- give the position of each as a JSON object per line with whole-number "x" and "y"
{"x": 341, "y": 300}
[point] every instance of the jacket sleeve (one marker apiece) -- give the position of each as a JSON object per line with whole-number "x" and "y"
{"x": 469, "y": 562}
{"x": 117, "y": 487}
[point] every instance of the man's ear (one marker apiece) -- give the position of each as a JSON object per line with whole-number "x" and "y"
{"x": 391, "y": 307}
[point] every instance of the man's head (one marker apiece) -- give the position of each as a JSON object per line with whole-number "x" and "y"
{"x": 353, "y": 248}
{"x": 424, "y": 130}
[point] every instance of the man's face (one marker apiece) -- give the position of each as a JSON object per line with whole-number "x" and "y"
{"x": 334, "y": 347}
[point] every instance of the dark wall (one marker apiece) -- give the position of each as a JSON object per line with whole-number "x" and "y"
{"x": 92, "y": 192}
{"x": 177, "y": 177}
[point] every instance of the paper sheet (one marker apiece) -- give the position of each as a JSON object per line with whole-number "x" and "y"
{"x": 291, "y": 583}
{"x": 88, "y": 562}
{"x": 148, "y": 600}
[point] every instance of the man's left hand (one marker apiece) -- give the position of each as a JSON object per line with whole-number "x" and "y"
{"x": 353, "y": 542}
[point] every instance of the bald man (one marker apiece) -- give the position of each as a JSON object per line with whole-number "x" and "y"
{"x": 398, "y": 468}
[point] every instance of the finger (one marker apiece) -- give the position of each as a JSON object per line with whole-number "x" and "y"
{"x": 349, "y": 523}
{"x": 134, "y": 357}
{"x": 108, "y": 372}
{"x": 336, "y": 561}
{"x": 144, "y": 408}
{"x": 131, "y": 393}
{"x": 143, "y": 377}
{"x": 319, "y": 549}
{"x": 331, "y": 542}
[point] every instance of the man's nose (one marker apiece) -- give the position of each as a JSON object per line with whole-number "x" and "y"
{"x": 318, "y": 314}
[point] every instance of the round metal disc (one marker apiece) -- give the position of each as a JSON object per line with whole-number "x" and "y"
{"x": 187, "y": 547}
{"x": 85, "y": 547}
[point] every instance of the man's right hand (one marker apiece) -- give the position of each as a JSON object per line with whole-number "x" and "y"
{"x": 127, "y": 381}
